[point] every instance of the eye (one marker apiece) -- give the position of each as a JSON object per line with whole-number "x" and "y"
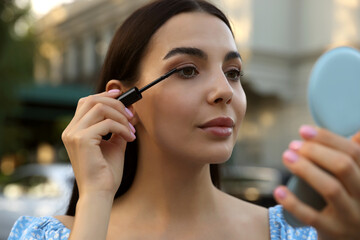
{"x": 188, "y": 72}
{"x": 234, "y": 74}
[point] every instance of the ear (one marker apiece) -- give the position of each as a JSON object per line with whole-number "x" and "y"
{"x": 116, "y": 84}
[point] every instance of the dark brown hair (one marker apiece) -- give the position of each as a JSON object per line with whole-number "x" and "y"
{"x": 123, "y": 59}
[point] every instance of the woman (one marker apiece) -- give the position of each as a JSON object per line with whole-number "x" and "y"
{"x": 157, "y": 184}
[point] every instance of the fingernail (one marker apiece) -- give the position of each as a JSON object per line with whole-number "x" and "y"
{"x": 290, "y": 156}
{"x": 129, "y": 112}
{"x": 115, "y": 90}
{"x": 133, "y": 135}
{"x": 296, "y": 145}
{"x": 132, "y": 128}
{"x": 308, "y": 131}
{"x": 280, "y": 193}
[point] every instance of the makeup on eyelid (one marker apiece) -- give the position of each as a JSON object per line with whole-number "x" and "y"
{"x": 196, "y": 69}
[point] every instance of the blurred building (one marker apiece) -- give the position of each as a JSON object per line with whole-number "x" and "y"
{"x": 279, "y": 41}
{"x": 75, "y": 37}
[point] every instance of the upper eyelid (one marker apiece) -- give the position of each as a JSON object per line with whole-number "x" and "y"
{"x": 237, "y": 68}
{"x": 180, "y": 64}
{"x": 233, "y": 62}
{"x": 184, "y": 59}
{"x": 185, "y": 65}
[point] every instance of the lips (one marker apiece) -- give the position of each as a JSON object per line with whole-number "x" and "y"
{"x": 219, "y": 122}
{"x": 221, "y": 126}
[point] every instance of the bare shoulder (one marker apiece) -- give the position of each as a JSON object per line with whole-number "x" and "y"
{"x": 66, "y": 220}
{"x": 243, "y": 208}
{"x": 252, "y": 217}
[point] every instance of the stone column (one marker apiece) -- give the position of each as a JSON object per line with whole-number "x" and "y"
{"x": 71, "y": 71}
{"x": 88, "y": 55}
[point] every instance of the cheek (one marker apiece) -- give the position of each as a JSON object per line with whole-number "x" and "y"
{"x": 174, "y": 109}
{"x": 166, "y": 110}
{"x": 240, "y": 104}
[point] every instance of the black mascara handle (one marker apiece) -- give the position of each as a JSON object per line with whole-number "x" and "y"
{"x": 129, "y": 97}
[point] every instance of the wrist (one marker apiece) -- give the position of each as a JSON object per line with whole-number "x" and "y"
{"x": 92, "y": 216}
{"x": 103, "y": 198}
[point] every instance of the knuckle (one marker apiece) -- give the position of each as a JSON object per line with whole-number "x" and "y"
{"x": 332, "y": 191}
{"x": 100, "y": 107}
{"x": 300, "y": 168}
{"x": 311, "y": 220}
{"x": 81, "y": 101}
{"x": 64, "y": 136}
{"x": 308, "y": 147}
{"x": 78, "y": 139}
{"x": 91, "y": 99}
{"x": 344, "y": 166}
{"x": 110, "y": 122}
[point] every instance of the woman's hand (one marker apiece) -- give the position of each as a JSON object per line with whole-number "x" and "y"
{"x": 331, "y": 165}
{"x": 98, "y": 164}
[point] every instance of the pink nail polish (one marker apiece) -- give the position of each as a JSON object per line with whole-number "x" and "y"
{"x": 308, "y": 131}
{"x": 280, "y": 193}
{"x": 115, "y": 90}
{"x": 296, "y": 145}
{"x": 129, "y": 112}
{"x": 290, "y": 156}
{"x": 133, "y": 135}
{"x": 132, "y": 128}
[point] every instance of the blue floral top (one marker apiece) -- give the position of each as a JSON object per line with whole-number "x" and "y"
{"x": 280, "y": 230}
{"x": 49, "y": 228}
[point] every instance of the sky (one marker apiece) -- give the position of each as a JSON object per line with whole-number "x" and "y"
{"x": 41, "y": 7}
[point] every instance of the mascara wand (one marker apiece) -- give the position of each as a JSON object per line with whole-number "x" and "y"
{"x": 134, "y": 94}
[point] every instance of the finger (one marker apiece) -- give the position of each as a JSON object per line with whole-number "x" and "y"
{"x": 297, "y": 208}
{"x": 331, "y": 140}
{"x": 107, "y": 98}
{"x": 322, "y": 182}
{"x": 356, "y": 138}
{"x": 106, "y": 126}
{"x": 337, "y": 163}
{"x": 100, "y": 112}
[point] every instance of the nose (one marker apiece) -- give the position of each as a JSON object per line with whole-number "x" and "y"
{"x": 221, "y": 90}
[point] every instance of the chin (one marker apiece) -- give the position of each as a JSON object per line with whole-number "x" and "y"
{"x": 197, "y": 151}
{"x": 218, "y": 158}
{"x": 212, "y": 155}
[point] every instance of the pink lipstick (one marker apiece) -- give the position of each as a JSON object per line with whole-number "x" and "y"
{"x": 220, "y": 127}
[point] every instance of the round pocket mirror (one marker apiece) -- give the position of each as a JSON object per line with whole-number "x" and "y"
{"x": 334, "y": 91}
{"x": 334, "y": 102}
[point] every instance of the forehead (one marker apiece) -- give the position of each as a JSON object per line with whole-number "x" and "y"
{"x": 195, "y": 29}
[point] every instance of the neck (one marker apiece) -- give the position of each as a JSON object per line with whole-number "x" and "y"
{"x": 168, "y": 188}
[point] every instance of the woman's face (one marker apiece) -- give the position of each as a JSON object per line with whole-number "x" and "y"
{"x": 195, "y": 113}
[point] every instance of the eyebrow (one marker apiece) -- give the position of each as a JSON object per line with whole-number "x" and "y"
{"x": 199, "y": 53}
{"x": 232, "y": 55}
{"x": 186, "y": 50}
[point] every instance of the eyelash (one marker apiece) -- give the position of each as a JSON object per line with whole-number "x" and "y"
{"x": 239, "y": 74}
{"x": 181, "y": 72}
{"x": 195, "y": 72}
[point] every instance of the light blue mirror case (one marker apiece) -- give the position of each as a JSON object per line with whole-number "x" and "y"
{"x": 334, "y": 102}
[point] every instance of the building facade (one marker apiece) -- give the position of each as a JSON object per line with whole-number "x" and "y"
{"x": 279, "y": 41}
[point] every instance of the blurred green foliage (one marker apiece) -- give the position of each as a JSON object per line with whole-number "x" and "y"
{"x": 17, "y": 46}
